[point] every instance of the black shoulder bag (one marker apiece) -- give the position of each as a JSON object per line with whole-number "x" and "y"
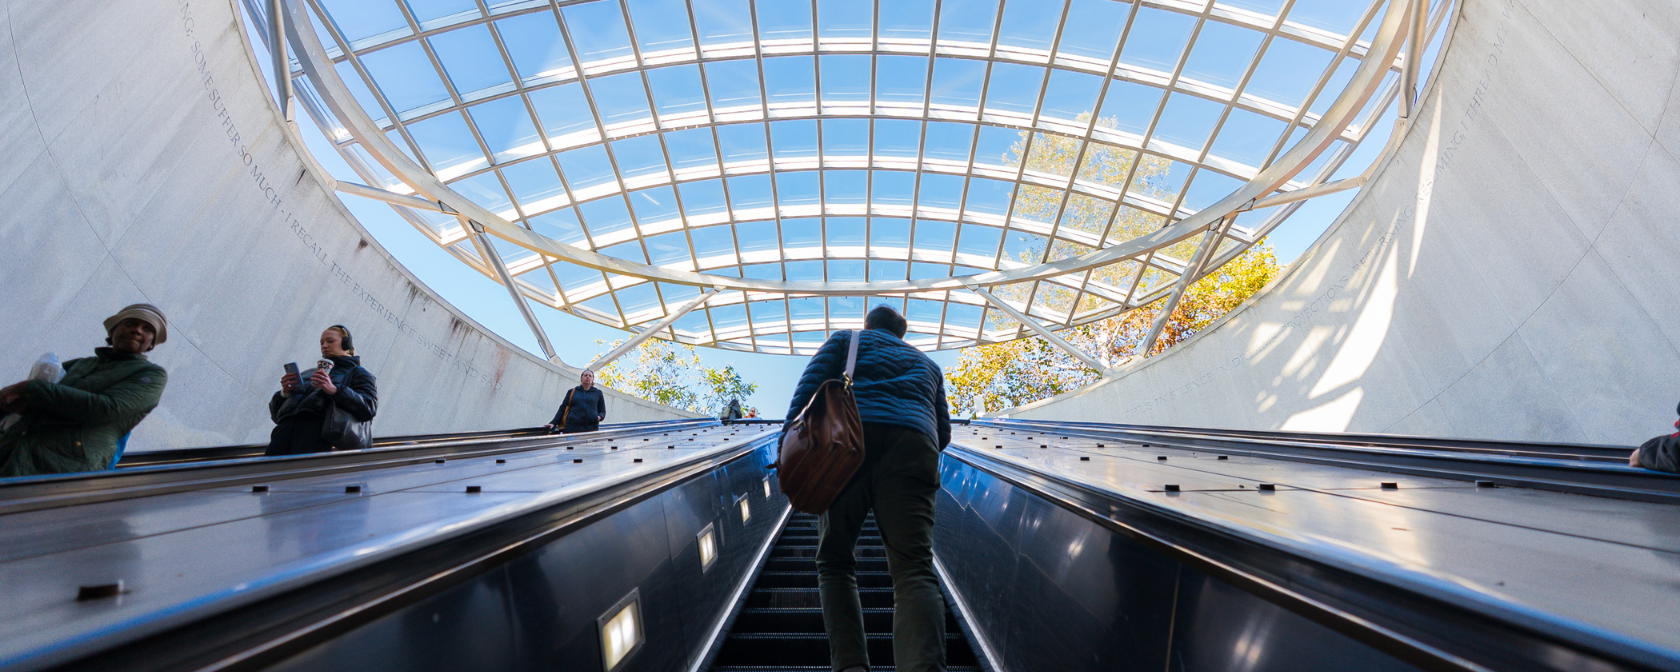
{"x": 342, "y": 430}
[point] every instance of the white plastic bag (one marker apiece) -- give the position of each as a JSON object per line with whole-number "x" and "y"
{"x": 47, "y": 369}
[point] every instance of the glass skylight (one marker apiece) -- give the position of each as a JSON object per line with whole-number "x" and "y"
{"x": 869, "y": 150}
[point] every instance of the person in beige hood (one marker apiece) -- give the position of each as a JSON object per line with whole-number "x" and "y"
{"x": 76, "y": 423}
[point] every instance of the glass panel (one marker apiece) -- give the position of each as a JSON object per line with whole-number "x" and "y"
{"x": 506, "y": 127}
{"x": 790, "y": 79}
{"x": 533, "y": 42}
{"x": 1093, "y": 28}
{"x": 470, "y": 57}
{"x": 845, "y": 78}
{"x": 1157, "y": 39}
{"x": 1222, "y": 54}
{"x": 1029, "y": 24}
{"x": 405, "y": 76}
{"x": 845, "y": 18}
{"x": 660, "y": 24}
{"x": 597, "y": 30}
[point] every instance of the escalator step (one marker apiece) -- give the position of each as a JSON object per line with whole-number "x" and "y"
{"x": 809, "y": 621}
{"x": 796, "y": 598}
{"x": 808, "y": 579}
{"x": 780, "y": 627}
{"x": 812, "y": 649}
{"x": 810, "y": 565}
{"x": 824, "y": 668}
{"x": 811, "y": 552}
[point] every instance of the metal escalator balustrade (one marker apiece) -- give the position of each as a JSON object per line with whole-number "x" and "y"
{"x": 1071, "y": 550}
{"x": 403, "y": 567}
{"x": 779, "y": 628}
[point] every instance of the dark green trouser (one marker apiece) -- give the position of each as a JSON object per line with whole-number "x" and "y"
{"x": 898, "y": 479}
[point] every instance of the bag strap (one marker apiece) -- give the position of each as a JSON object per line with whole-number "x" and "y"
{"x": 567, "y": 404}
{"x": 851, "y": 355}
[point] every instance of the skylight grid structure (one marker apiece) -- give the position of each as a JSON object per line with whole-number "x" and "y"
{"x": 777, "y": 167}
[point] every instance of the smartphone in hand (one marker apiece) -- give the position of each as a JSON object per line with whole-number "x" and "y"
{"x": 291, "y": 368}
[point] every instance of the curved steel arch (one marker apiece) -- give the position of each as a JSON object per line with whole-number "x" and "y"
{"x": 1378, "y": 60}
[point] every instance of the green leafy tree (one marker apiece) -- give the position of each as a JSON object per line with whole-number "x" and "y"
{"x": 671, "y": 373}
{"x": 1002, "y": 375}
{"x": 723, "y": 385}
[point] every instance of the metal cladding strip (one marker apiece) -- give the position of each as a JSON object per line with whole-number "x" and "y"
{"x": 714, "y": 637}
{"x": 1603, "y": 451}
{"x": 299, "y": 575}
{"x": 1408, "y": 613}
{"x": 45, "y": 492}
{"x": 988, "y": 655}
{"x": 1576, "y": 476}
{"x": 1367, "y": 78}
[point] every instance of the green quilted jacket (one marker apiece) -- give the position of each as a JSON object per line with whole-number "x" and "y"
{"x": 73, "y": 425}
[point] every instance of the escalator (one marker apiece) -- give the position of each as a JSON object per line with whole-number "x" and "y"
{"x": 780, "y": 627}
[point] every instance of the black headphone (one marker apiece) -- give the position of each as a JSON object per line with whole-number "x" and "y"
{"x": 347, "y": 345}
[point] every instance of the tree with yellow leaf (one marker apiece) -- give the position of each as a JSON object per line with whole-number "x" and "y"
{"x": 1002, "y": 375}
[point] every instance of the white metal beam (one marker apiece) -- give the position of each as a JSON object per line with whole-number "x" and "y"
{"x": 1416, "y": 42}
{"x": 1039, "y": 329}
{"x": 281, "y": 61}
{"x": 1204, "y": 251}
{"x": 488, "y": 251}
{"x": 659, "y": 326}
{"x": 391, "y": 197}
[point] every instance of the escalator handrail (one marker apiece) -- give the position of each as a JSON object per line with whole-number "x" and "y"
{"x": 1598, "y": 478}
{"x": 40, "y": 492}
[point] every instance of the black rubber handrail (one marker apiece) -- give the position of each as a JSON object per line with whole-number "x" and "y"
{"x": 1443, "y": 458}
{"x": 1432, "y": 624}
{"x": 1580, "y": 451}
{"x": 183, "y": 455}
{"x": 43, "y": 492}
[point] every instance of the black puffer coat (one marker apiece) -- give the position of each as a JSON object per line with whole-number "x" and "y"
{"x": 895, "y": 384}
{"x": 357, "y": 393}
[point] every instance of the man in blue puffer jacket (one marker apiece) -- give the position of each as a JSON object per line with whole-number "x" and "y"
{"x": 906, "y": 422}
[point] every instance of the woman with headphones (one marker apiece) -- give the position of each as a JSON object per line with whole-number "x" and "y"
{"x": 327, "y": 407}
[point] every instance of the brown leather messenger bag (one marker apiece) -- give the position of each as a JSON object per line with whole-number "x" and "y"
{"x": 823, "y": 447}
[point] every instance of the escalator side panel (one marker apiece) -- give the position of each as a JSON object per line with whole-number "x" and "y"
{"x": 975, "y": 534}
{"x": 1110, "y": 597}
{"x": 1048, "y": 589}
{"x": 1221, "y": 627}
{"x": 539, "y": 611}
{"x": 689, "y": 508}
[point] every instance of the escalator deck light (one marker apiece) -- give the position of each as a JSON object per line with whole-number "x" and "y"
{"x": 621, "y": 632}
{"x": 708, "y": 548}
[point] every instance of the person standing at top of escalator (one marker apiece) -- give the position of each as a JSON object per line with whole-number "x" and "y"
{"x": 583, "y": 409}
{"x": 327, "y": 407}
{"x": 77, "y": 423}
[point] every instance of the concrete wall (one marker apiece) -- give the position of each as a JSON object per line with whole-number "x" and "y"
{"x": 1510, "y": 273}
{"x": 141, "y": 159}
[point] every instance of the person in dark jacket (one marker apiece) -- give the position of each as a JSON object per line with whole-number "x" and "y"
{"x": 305, "y": 401}
{"x": 75, "y": 424}
{"x": 1661, "y": 453}
{"x": 734, "y": 410}
{"x": 583, "y": 409}
{"x": 906, "y": 423}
